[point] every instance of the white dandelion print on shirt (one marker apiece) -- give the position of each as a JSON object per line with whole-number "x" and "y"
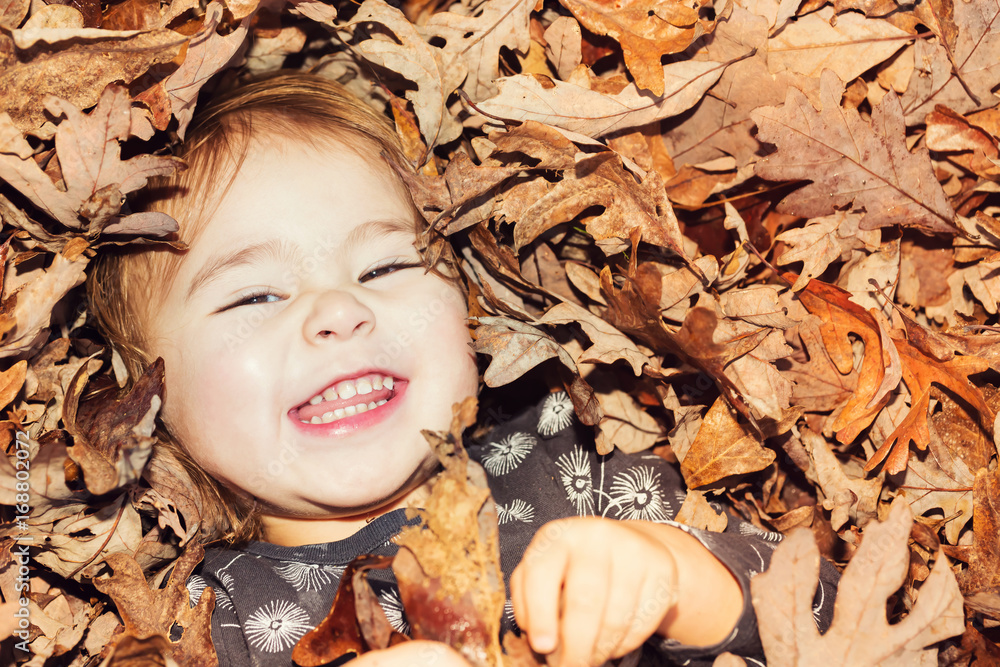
{"x": 576, "y": 480}
{"x": 508, "y": 612}
{"x": 196, "y": 586}
{"x": 502, "y": 457}
{"x": 751, "y": 530}
{"x": 309, "y": 576}
{"x": 515, "y": 510}
{"x": 636, "y": 495}
{"x": 394, "y": 613}
{"x": 222, "y": 599}
{"x": 556, "y": 413}
{"x": 276, "y": 626}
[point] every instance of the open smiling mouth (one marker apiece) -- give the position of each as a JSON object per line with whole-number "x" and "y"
{"x": 347, "y": 398}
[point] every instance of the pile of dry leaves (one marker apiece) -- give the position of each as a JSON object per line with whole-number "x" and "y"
{"x": 761, "y": 236}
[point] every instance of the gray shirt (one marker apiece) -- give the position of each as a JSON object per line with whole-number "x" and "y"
{"x": 541, "y": 465}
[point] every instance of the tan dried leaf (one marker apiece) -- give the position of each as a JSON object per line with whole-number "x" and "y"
{"x": 852, "y": 162}
{"x": 609, "y": 344}
{"x": 516, "y": 348}
{"x": 564, "y": 45}
{"x": 720, "y": 126}
{"x": 407, "y": 53}
{"x": 12, "y": 12}
{"x": 473, "y": 42}
{"x": 848, "y": 45}
{"x": 94, "y": 62}
{"x": 208, "y": 52}
{"x": 578, "y": 109}
{"x": 646, "y": 29}
{"x": 698, "y": 513}
{"x": 962, "y": 74}
{"x": 860, "y": 634}
{"x": 846, "y": 490}
{"x": 723, "y": 448}
{"x": 625, "y": 425}
{"x": 96, "y": 179}
{"x": 929, "y": 486}
{"x": 37, "y": 293}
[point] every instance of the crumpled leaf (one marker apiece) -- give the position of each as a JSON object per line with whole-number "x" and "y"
{"x": 95, "y": 63}
{"x": 533, "y": 97}
{"x": 448, "y": 567}
{"x": 207, "y": 53}
{"x": 94, "y": 177}
{"x": 409, "y": 54}
{"x": 343, "y": 631}
{"x": 27, "y": 308}
{"x": 473, "y": 42}
{"x": 860, "y": 633}
{"x": 945, "y": 485}
{"x": 646, "y": 29}
{"x": 981, "y": 579}
{"x": 166, "y": 612}
{"x": 625, "y": 425}
{"x": 12, "y": 12}
{"x": 113, "y": 437}
{"x": 852, "y": 162}
{"x": 609, "y": 344}
{"x": 515, "y": 348}
{"x": 847, "y": 492}
{"x": 961, "y": 70}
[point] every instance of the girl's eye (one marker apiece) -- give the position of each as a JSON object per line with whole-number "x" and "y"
{"x": 386, "y": 269}
{"x": 254, "y": 298}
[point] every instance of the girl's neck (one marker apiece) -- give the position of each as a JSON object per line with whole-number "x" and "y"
{"x": 291, "y": 531}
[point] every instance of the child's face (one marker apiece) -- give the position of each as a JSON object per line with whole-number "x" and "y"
{"x": 285, "y": 294}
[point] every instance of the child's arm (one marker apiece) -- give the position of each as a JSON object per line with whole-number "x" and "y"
{"x": 591, "y": 589}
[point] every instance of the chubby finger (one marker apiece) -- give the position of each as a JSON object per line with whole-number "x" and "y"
{"x": 536, "y": 588}
{"x": 412, "y": 654}
{"x": 619, "y": 623}
{"x": 584, "y": 603}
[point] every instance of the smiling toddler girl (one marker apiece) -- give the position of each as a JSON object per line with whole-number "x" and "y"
{"x": 307, "y": 344}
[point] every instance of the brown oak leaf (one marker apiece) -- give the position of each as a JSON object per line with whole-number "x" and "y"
{"x": 850, "y": 161}
{"x": 163, "y": 612}
{"x": 860, "y": 633}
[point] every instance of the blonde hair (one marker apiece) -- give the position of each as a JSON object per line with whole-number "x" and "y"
{"x": 120, "y": 285}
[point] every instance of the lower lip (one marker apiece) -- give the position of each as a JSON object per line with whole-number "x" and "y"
{"x": 358, "y": 422}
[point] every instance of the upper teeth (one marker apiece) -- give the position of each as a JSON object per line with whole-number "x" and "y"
{"x": 351, "y": 388}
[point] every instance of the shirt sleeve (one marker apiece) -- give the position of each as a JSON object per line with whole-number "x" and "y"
{"x": 542, "y": 465}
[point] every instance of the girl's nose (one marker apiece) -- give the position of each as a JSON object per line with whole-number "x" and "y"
{"x": 337, "y": 314}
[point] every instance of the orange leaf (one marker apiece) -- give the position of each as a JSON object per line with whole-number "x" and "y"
{"x": 841, "y": 318}
{"x": 919, "y": 372}
{"x": 646, "y": 30}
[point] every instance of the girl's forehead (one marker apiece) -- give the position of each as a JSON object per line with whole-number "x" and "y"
{"x": 281, "y": 177}
{"x": 302, "y": 195}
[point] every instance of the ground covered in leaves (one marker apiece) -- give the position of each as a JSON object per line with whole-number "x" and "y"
{"x": 759, "y": 236}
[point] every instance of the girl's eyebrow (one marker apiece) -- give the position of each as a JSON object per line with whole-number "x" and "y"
{"x": 278, "y": 249}
{"x": 374, "y": 230}
{"x": 255, "y": 252}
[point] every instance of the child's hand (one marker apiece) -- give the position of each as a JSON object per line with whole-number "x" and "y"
{"x": 412, "y": 654}
{"x": 590, "y": 589}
